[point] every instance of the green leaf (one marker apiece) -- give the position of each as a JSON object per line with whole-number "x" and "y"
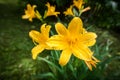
{"x": 45, "y": 75}
{"x": 50, "y": 63}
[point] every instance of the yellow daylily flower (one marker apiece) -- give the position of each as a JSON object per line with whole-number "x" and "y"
{"x": 69, "y": 11}
{"x": 29, "y": 13}
{"x": 41, "y": 39}
{"x": 74, "y": 40}
{"x": 50, "y": 11}
{"x": 78, "y": 3}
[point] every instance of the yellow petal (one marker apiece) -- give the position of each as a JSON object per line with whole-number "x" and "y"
{"x": 84, "y": 31}
{"x": 36, "y": 36}
{"x": 30, "y": 19}
{"x": 82, "y": 52}
{"x": 36, "y": 50}
{"x": 89, "y": 65}
{"x": 92, "y": 62}
{"x": 89, "y": 35}
{"x": 90, "y": 43}
{"x": 61, "y": 29}
{"x": 38, "y": 15}
{"x": 56, "y": 13}
{"x": 95, "y": 59}
{"x": 86, "y": 50}
{"x": 75, "y": 26}
{"x": 57, "y": 42}
{"x": 45, "y": 29}
{"x": 48, "y": 4}
{"x": 25, "y": 16}
{"x": 89, "y": 38}
{"x": 34, "y": 6}
{"x": 65, "y": 57}
{"x": 29, "y": 7}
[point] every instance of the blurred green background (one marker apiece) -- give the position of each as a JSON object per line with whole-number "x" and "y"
{"x": 15, "y": 45}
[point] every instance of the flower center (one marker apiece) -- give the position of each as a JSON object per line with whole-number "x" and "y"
{"x": 72, "y": 42}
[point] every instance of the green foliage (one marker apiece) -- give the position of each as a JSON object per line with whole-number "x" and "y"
{"x": 104, "y": 13}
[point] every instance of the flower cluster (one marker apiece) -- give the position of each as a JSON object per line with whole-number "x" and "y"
{"x": 72, "y": 39}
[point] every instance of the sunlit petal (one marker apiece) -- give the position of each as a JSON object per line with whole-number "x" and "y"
{"x": 34, "y": 6}
{"x": 45, "y": 29}
{"x": 95, "y": 59}
{"x": 75, "y": 26}
{"x": 85, "y": 49}
{"x": 36, "y": 50}
{"x": 90, "y": 43}
{"x": 89, "y": 35}
{"x": 48, "y": 4}
{"x": 65, "y": 57}
{"x": 61, "y": 30}
{"x": 57, "y": 42}
{"x": 89, "y": 65}
{"x": 36, "y": 36}
{"x": 29, "y": 7}
{"x": 89, "y": 38}
{"x": 82, "y": 52}
{"x": 30, "y": 19}
{"x": 25, "y": 17}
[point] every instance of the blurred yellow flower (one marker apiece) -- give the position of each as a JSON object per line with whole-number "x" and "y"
{"x": 40, "y": 39}
{"x": 29, "y": 13}
{"x": 69, "y": 11}
{"x": 50, "y": 11}
{"x": 78, "y": 3}
{"x": 74, "y": 40}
